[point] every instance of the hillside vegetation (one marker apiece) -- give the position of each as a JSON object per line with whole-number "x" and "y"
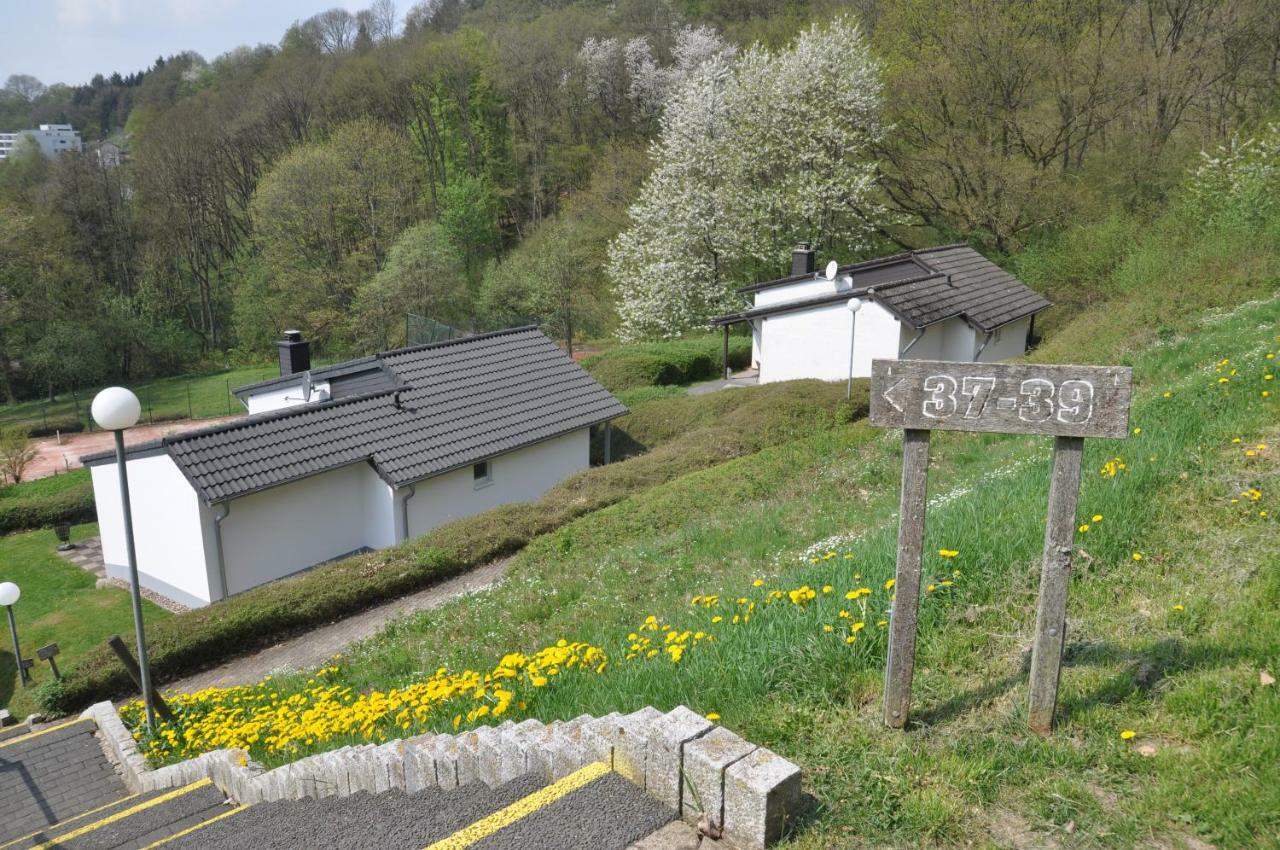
{"x": 594, "y": 167}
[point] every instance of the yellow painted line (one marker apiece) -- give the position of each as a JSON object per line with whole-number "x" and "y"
{"x": 22, "y": 739}
{"x": 124, "y": 813}
{"x": 520, "y": 809}
{"x": 192, "y": 829}
{"x": 60, "y": 824}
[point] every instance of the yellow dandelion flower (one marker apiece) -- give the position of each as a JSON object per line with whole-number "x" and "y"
{"x": 712, "y": 716}
{"x": 1179, "y": 607}
{"x": 826, "y": 588}
{"x": 948, "y": 553}
{"x": 1137, "y": 430}
{"x": 851, "y": 639}
{"x": 1127, "y": 735}
{"x": 828, "y": 628}
{"x": 1137, "y": 556}
{"x": 1084, "y": 527}
{"x": 1097, "y": 517}
{"x": 889, "y": 583}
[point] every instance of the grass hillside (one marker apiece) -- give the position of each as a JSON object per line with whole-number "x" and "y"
{"x": 737, "y": 590}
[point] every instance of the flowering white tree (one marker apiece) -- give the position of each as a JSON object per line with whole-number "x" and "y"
{"x": 753, "y": 156}
{"x": 614, "y": 73}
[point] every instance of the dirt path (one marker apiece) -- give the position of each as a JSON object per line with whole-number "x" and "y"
{"x": 319, "y": 645}
{"x": 53, "y": 457}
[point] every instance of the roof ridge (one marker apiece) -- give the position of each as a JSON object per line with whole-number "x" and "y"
{"x": 445, "y": 342}
{"x": 944, "y": 248}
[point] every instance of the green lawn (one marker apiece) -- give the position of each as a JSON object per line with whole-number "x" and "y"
{"x": 59, "y": 604}
{"x": 1170, "y": 645}
{"x": 162, "y": 398}
{"x": 43, "y": 488}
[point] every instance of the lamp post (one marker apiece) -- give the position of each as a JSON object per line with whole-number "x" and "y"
{"x": 854, "y": 305}
{"x": 115, "y": 409}
{"x": 9, "y": 594}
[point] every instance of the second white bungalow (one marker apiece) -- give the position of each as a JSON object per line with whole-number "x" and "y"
{"x": 944, "y": 303}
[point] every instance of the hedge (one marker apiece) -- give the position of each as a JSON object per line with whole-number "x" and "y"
{"x": 660, "y": 363}
{"x": 44, "y": 510}
{"x": 733, "y": 424}
{"x": 60, "y": 426}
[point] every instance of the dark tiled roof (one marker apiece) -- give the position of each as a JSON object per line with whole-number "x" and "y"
{"x": 458, "y": 402}
{"x": 957, "y": 281}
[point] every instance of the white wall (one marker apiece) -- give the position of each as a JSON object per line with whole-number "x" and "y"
{"x": 519, "y": 476}
{"x": 801, "y": 290}
{"x": 814, "y": 343}
{"x": 1008, "y": 341}
{"x": 293, "y": 526}
{"x": 287, "y": 395}
{"x": 174, "y": 552}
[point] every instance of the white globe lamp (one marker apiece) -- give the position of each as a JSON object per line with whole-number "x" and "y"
{"x": 115, "y": 409}
{"x": 853, "y": 305}
{"x": 9, "y": 594}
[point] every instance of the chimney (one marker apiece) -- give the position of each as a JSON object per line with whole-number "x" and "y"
{"x": 802, "y": 259}
{"x": 295, "y": 353}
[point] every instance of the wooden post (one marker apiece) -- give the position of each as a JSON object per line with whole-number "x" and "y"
{"x": 608, "y": 443}
{"x": 726, "y": 352}
{"x": 135, "y": 673}
{"x": 1055, "y": 578}
{"x": 901, "y": 662}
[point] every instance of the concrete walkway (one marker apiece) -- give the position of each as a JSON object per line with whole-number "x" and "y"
{"x": 54, "y": 456}
{"x": 745, "y": 378}
{"x": 317, "y": 646}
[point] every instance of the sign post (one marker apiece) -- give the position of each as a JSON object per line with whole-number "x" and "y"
{"x": 1068, "y": 403}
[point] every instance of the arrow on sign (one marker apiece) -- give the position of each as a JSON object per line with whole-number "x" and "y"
{"x": 889, "y": 398}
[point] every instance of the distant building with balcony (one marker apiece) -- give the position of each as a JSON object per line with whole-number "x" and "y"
{"x": 52, "y": 139}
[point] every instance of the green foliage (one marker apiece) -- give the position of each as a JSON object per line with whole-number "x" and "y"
{"x": 47, "y": 501}
{"x": 735, "y": 423}
{"x": 325, "y": 218}
{"x": 425, "y": 275}
{"x": 659, "y": 363}
{"x": 61, "y": 604}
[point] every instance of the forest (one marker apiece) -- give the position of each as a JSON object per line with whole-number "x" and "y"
{"x": 605, "y": 169}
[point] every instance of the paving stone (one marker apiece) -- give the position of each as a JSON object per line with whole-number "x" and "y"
{"x": 761, "y": 791}
{"x": 664, "y": 762}
{"x": 676, "y": 835}
{"x": 705, "y": 762}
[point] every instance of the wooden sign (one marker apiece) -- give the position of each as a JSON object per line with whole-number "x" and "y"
{"x": 1020, "y": 398}
{"x": 1068, "y": 403}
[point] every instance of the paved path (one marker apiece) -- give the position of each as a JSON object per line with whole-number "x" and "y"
{"x": 87, "y": 555}
{"x": 745, "y": 378}
{"x": 317, "y": 646}
{"x": 53, "y": 457}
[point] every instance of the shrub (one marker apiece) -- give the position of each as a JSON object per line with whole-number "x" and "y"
{"x": 720, "y": 426}
{"x": 663, "y": 363}
{"x": 59, "y": 426}
{"x": 16, "y": 453}
{"x": 43, "y": 510}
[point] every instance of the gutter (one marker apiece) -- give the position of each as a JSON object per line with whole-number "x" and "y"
{"x": 217, "y": 543}
{"x": 978, "y": 354}
{"x": 404, "y": 509}
{"x": 919, "y": 334}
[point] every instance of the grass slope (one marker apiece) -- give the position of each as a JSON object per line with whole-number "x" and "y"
{"x": 59, "y": 604}
{"x": 1170, "y": 645}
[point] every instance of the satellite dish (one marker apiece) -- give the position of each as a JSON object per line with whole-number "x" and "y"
{"x": 832, "y": 268}
{"x": 306, "y": 386}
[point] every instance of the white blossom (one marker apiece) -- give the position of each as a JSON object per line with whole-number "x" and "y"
{"x": 753, "y": 156}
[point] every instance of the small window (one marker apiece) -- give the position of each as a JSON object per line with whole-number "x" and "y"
{"x": 482, "y": 474}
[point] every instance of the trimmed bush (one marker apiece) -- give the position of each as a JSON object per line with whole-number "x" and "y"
{"x": 61, "y": 426}
{"x": 73, "y": 504}
{"x": 662, "y": 363}
{"x": 720, "y": 426}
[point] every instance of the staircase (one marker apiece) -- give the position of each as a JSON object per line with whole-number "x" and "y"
{"x": 58, "y": 790}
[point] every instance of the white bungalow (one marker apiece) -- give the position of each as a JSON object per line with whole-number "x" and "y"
{"x": 945, "y": 303}
{"x": 347, "y": 458}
